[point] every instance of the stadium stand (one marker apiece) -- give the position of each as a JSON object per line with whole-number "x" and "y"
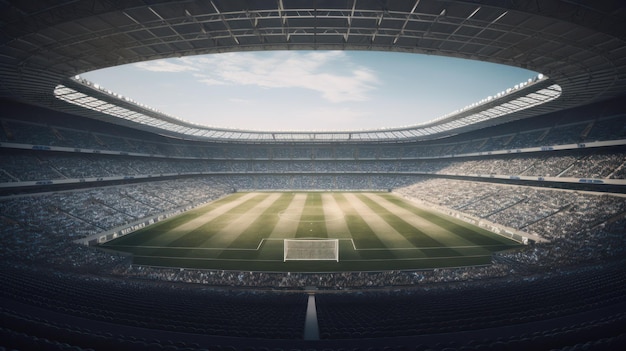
{"x": 556, "y": 172}
{"x": 585, "y": 229}
{"x": 138, "y": 179}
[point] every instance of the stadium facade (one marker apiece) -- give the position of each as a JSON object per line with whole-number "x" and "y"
{"x": 546, "y": 157}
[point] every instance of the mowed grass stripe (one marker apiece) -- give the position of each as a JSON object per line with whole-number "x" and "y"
{"x": 312, "y": 221}
{"x": 413, "y": 235}
{"x": 151, "y": 235}
{"x": 387, "y": 234}
{"x": 287, "y": 224}
{"x": 477, "y": 235}
{"x": 198, "y": 236}
{"x": 362, "y": 235}
{"x": 444, "y": 236}
{"x": 336, "y": 225}
{"x": 229, "y": 233}
{"x": 209, "y": 212}
{"x": 261, "y": 228}
{"x": 141, "y": 236}
{"x": 372, "y": 253}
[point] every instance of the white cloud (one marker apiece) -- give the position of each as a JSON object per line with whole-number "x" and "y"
{"x": 208, "y": 80}
{"x": 166, "y": 66}
{"x": 329, "y": 73}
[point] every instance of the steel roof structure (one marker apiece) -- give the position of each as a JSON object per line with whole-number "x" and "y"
{"x": 580, "y": 47}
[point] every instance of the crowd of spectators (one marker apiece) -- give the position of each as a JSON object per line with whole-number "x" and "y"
{"x": 37, "y": 166}
{"x": 581, "y": 226}
{"x": 574, "y": 164}
{"x": 607, "y": 128}
{"x": 598, "y": 166}
{"x": 602, "y": 243}
{"x": 545, "y": 212}
{"x": 43, "y": 226}
{"x": 333, "y": 280}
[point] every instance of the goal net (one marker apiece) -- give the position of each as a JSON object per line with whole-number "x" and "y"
{"x": 311, "y": 250}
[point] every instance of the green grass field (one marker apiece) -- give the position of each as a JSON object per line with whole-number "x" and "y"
{"x": 376, "y": 231}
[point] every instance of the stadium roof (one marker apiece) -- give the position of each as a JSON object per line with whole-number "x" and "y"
{"x": 579, "y": 46}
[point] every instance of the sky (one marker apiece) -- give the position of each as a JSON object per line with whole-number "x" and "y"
{"x": 309, "y": 90}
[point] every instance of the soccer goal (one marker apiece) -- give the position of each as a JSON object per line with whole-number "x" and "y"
{"x": 311, "y": 250}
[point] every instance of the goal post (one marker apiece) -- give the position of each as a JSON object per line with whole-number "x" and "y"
{"x": 311, "y": 250}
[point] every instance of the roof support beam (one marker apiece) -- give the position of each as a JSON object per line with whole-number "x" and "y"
{"x": 484, "y": 29}
{"x": 225, "y": 22}
{"x": 408, "y": 18}
{"x": 166, "y": 23}
{"x": 349, "y": 18}
{"x": 283, "y": 19}
{"x": 460, "y": 26}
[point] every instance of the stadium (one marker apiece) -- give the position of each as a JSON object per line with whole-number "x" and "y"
{"x": 499, "y": 226}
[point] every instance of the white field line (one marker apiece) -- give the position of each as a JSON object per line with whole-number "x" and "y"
{"x": 421, "y": 248}
{"x": 414, "y": 258}
{"x": 263, "y": 240}
{"x": 331, "y": 207}
{"x": 349, "y": 260}
{"x": 210, "y": 259}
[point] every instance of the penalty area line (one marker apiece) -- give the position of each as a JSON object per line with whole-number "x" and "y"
{"x": 416, "y": 258}
{"x": 206, "y": 259}
{"x": 194, "y": 248}
{"x": 262, "y": 241}
{"x": 429, "y": 248}
{"x": 182, "y": 248}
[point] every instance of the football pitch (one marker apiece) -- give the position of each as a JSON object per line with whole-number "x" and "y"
{"x": 375, "y": 231}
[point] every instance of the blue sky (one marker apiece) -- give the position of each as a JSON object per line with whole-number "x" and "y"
{"x": 309, "y": 90}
